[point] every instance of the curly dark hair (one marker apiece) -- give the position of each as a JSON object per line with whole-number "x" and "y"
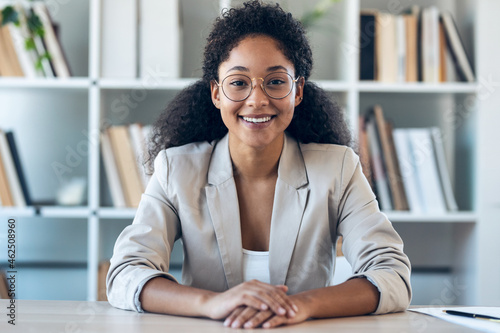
{"x": 191, "y": 115}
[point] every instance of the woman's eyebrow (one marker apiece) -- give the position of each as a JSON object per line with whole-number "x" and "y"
{"x": 245, "y": 69}
{"x": 275, "y": 68}
{"x": 238, "y": 68}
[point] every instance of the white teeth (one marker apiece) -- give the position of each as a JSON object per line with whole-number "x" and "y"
{"x": 257, "y": 120}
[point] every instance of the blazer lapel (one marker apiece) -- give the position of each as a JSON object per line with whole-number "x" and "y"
{"x": 290, "y": 199}
{"x": 289, "y": 203}
{"x": 223, "y": 205}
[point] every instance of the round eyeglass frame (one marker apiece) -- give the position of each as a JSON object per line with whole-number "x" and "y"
{"x": 221, "y": 85}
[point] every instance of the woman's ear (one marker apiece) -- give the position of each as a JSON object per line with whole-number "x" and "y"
{"x": 299, "y": 90}
{"x": 214, "y": 90}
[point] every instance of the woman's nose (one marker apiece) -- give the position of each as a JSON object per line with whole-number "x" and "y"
{"x": 258, "y": 97}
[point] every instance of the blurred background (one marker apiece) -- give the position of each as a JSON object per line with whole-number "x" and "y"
{"x": 72, "y": 120}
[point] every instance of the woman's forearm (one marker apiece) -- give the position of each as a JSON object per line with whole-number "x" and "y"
{"x": 165, "y": 296}
{"x": 161, "y": 295}
{"x": 354, "y": 297}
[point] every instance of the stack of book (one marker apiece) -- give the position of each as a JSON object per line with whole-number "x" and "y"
{"x": 102, "y": 272}
{"x": 45, "y": 58}
{"x": 141, "y": 38}
{"x": 13, "y": 185}
{"x": 419, "y": 45}
{"x": 407, "y": 167}
{"x": 124, "y": 149}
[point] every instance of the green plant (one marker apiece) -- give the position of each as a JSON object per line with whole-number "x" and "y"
{"x": 320, "y": 10}
{"x": 17, "y": 16}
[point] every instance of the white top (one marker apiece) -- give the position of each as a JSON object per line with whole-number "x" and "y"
{"x": 256, "y": 266}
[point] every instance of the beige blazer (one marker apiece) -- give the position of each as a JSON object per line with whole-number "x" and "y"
{"x": 320, "y": 194}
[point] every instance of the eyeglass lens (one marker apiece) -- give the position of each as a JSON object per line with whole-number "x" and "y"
{"x": 238, "y": 87}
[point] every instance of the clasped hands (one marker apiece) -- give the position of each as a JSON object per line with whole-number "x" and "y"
{"x": 256, "y": 304}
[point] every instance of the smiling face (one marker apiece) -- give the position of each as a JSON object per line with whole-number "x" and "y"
{"x": 258, "y": 121}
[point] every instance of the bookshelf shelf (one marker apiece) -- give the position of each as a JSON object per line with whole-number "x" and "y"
{"x": 64, "y": 212}
{"x": 455, "y": 217}
{"x": 149, "y": 84}
{"x": 116, "y": 213}
{"x": 334, "y": 86}
{"x": 70, "y": 83}
{"x": 84, "y": 104}
{"x": 16, "y": 212}
{"x": 441, "y": 88}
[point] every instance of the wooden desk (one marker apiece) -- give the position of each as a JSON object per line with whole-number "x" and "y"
{"x": 80, "y": 317}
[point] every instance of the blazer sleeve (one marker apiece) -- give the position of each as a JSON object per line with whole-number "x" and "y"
{"x": 370, "y": 243}
{"x": 142, "y": 251}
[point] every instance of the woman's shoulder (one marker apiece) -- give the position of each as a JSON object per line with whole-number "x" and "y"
{"x": 194, "y": 148}
{"x": 190, "y": 156}
{"x": 319, "y": 156}
{"x": 328, "y": 150}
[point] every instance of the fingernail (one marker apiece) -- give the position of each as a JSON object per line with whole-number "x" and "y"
{"x": 263, "y": 307}
{"x": 291, "y": 313}
{"x": 282, "y": 311}
{"x": 227, "y": 322}
{"x": 235, "y": 324}
{"x": 295, "y": 308}
{"x": 266, "y": 325}
{"x": 247, "y": 325}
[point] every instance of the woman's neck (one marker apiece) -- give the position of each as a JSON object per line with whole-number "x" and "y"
{"x": 255, "y": 163}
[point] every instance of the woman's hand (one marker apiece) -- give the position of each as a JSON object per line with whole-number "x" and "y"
{"x": 248, "y": 317}
{"x": 253, "y": 294}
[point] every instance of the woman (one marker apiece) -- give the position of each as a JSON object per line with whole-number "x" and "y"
{"x": 253, "y": 173}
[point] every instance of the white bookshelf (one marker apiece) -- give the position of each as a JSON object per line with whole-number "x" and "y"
{"x": 45, "y": 83}
{"x": 469, "y": 234}
{"x": 158, "y": 84}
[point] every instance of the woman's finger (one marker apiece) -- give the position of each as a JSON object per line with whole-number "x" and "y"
{"x": 274, "y": 297}
{"x": 229, "y": 320}
{"x": 274, "y": 321}
{"x": 259, "y": 318}
{"x": 243, "y": 317}
{"x": 279, "y": 302}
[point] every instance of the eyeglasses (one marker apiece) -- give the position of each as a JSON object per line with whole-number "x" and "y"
{"x": 237, "y": 87}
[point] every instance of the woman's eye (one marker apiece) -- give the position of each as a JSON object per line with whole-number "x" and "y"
{"x": 237, "y": 83}
{"x": 275, "y": 82}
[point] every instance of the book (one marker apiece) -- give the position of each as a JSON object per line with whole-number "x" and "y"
{"x": 457, "y": 49}
{"x": 5, "y": 192}
{"x": 408, "y": 170}
{"x": 112, "y": 173}
{"x": 25, "y": 13}
{"x": 367, "y": 45}
{"x": 386, "y": 64}
{"x": 376, "y": 160}
{"x": 397, "y": 170}
{"x": 19, "y": 167}
{"x": 364, "y": 151}
{"x": 25, "y": 58}
{"x": 41, "y": 50}
{"x": 430, "y": 45}
{"x": 443, "y": 77}
{"x": 4, "y": 290}
{"x": 389, "y": 160}
{"x": 411, "y": 29}
{"x": 126, "y": 163}
{"x": 444, "y": 176}
{"x": 25, "y": 30}
{"x": 426, "y": 170}
{"x": 119, "y": 39}
{"x": 401, "y": 48}
{"x": 102, "y": 272}
{"x": 160, "y": 38}
{"x": 11, "y": 173}
{"x": 9, "y": 64}
{"x": 52, "y": 44}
